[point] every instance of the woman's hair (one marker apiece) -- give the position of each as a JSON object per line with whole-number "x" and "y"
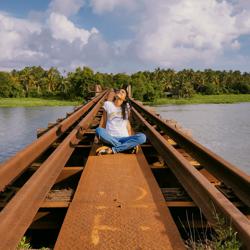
{"x": 125, "y": 106}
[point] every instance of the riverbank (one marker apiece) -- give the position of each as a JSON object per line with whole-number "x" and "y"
{"x": 203, "y": 99}
{"x": 31, "y": 102}
{"x": 196, "y": 99}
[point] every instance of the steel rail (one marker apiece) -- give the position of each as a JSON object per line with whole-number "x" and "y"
{"x": 204, "y": 194}
{"x": 18, "y": 213}
{"x": 14, "y": 166}
{"x": 216, "y": 165}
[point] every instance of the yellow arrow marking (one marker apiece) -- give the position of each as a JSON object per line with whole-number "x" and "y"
{"x": 95, "y": 238}
{"x": 142, "y": 195}
{"x": 144, "y": 228}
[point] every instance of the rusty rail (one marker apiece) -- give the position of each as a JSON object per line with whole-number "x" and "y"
{"x": 13, "y": 167}
{"x": 204, "y": 194}
{"x": 18, "y": 213}
{"x": 220, "y": 168}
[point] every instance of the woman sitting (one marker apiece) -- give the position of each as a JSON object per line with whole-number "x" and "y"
{"x": 117, "y": 133}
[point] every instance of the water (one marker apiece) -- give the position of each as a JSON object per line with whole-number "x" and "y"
{"x": 18, "y": 126}
{"x": 223, "y": 128}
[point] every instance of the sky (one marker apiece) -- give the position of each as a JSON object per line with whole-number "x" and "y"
{"x": 125, "y": 35}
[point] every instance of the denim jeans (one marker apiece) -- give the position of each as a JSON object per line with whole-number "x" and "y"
{"x": 120, "y": 144}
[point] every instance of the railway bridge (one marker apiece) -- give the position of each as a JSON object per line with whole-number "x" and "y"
{"x": 59, "y": 194}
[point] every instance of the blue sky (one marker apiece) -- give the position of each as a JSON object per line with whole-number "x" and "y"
{"x": 22, "y": 8}
{"x": 125, "y": 35}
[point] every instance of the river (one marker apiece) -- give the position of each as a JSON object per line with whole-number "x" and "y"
{"x": 18, "y": 126}
{"x": 223, "y": 128}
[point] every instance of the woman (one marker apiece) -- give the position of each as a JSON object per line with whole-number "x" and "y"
{"x": 117, "y": 133}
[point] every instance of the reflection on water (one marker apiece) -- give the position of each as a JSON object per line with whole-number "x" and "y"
{"x": 223, "y": 128}
{"x": 18, "y": 126}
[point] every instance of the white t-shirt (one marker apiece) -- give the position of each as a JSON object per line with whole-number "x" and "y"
{"x": 115, "y": 125}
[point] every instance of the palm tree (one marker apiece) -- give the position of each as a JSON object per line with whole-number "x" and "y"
{"x": 27, "y": 80}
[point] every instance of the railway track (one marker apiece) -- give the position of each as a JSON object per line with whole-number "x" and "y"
{"x": 63, "y": 196}
{"x": 203, "y": 192}
{"x": 17, "y": 164}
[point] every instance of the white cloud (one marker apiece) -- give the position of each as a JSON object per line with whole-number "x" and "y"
{"x": 170, "y": 33}
{"x": 166, "y": 33}
{"x": 54, "y": 41}
{"x": 177, "y": 32}
{"x": 235, "y": 44}
{"x": 101, "y": 6}
{"x": 62, "y": 28}
{"x": 14, "y": 34}
{"x": 66, "y": 7}
{"x": 240, "y": 5}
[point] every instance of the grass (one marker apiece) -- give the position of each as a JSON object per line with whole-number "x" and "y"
{"x": 196, "y": 99}
{"x": 199, "y": 99}
{"x": 221, "y": 237}
{"x": 31, "y": 102}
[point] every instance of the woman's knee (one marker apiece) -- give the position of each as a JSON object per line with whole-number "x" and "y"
{"x": 99, "y": 131}
{"x": 141, "y": 138}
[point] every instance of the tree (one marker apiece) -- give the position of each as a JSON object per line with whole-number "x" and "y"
{"x": 138, "y": 85}
{"x": 121, "y": 80}
{"x": 54, "y": 79}
{"x": 5, "y": 84}
{"x": 146, "y": 85}
{"x": 27, "y": 80}
{"x": 8, "y": 87}
{"x": 81, "y": 82}
{"x": 182, "y": 86}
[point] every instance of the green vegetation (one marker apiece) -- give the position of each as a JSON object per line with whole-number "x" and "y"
{"x": 221, "y": 237}
{"x": 24, "y": 243}
{"x": 147, "y": 86}
{"x": 30, "y": 102}
{"x": 225, "y": 238}
{"x": 198, "y": 99}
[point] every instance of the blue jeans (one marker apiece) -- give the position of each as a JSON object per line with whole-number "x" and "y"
{"x": 120, "y": 144}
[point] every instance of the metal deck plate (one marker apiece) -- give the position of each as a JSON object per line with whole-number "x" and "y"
{"x": 118, "y": 205}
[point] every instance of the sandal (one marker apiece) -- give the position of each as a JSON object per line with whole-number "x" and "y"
{"x": 104, "y": 150}
{"x": 135, "y": 150}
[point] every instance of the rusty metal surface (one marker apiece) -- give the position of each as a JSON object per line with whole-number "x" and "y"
{"x": 18, "y": 213}
{"x": 220, "y": 168}
{"x": 204, "y": 194}
{"x": 14, "y": 166}
{"x": 118, "y": 205}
